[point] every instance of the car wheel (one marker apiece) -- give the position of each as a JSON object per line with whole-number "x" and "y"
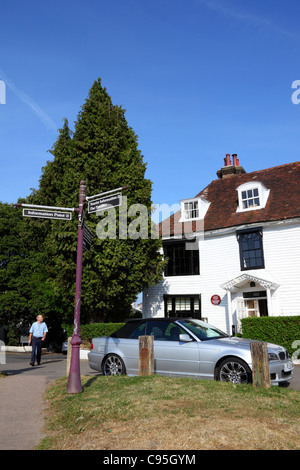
{"x": 113, "y": 365}
{"x": 234, "y": 370}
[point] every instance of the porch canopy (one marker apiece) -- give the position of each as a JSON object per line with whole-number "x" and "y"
{"x": 243, "y": 281}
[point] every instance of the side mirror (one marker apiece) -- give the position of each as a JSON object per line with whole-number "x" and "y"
{"x": 185, "y": 338}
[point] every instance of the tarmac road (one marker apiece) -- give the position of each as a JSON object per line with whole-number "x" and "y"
{"x": 22, "y": 396}
{"x": 52, "y": 365}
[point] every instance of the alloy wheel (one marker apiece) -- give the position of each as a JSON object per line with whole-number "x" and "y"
{"x": 233, "y": 371}
{"x": 113, "y": 365}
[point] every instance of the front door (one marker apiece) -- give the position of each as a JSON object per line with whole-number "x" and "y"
{"x": 256, "y": 307}
{"x": 253, "y": 304}
{"x": 263, "y": 307}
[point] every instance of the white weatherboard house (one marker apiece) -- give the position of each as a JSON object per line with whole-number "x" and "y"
{"x": 233, "y": 250}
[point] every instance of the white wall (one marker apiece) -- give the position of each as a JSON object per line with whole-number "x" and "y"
{"x": 282, "y": 260}
{"x": 220, "y": 262}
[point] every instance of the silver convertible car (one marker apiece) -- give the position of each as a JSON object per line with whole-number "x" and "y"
{"x": 184, "y": 348}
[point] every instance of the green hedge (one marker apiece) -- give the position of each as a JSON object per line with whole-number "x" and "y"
{"x": 278, "y": 330}
{"x": 93, "y": 330}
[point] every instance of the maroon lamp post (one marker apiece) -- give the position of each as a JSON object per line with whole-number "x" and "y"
{"x": 74, "y": 382}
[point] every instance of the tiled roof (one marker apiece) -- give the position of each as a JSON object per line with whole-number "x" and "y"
{"x": 283, "y": 203}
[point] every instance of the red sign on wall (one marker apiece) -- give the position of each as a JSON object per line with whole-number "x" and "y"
{"x": 215, "y": 299}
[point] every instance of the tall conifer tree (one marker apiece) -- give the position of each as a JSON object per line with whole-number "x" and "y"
{"x": 104, "y": 152}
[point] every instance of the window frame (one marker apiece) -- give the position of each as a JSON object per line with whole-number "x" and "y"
{"x": 194, "y": 211}
{"x": 240, "y": 237}
{"x": 191, "y": 297}
{"x": 185, "y": 265}
{"x": 263, "y": 194}
{"x": 246, "y": 200}
{"x": 199, "y": 212}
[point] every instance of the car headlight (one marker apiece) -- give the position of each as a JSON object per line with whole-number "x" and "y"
{"x": 273, "y": 357}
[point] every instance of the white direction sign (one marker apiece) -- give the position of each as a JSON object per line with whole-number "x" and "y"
{"x": 103, "y": 203}
{"x": 46, "y": 214}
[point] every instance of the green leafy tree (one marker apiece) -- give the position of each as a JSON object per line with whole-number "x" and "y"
{"x": 24, "y": 287}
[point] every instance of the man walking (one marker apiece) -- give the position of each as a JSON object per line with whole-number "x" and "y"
{"x": 37, "y": 335}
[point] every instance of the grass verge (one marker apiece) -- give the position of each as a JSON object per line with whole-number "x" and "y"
{"x": 162, "y": 413}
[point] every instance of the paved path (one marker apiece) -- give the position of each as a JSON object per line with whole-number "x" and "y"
{"x": 21, "y": 407}
{"x": 22, "y": 397}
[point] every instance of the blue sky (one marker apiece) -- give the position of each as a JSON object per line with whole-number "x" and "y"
{"x": 198, "y": 79}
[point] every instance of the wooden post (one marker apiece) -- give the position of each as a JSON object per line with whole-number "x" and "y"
{"x": 260, "y": 365}
{"x": 146, "y": 355}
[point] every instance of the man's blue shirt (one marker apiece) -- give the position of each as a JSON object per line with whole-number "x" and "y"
{"x": 38, "y": 329}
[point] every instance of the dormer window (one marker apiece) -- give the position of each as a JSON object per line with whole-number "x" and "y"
{"x": 252, "y": 196}
{"x": 193, "y": 209}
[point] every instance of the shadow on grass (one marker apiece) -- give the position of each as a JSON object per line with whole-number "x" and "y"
{"x": 91, "y": 381}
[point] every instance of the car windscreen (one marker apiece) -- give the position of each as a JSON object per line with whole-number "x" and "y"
{"x": 204, "y": 331}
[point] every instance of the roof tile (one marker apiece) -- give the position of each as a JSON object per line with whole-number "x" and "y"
{"x": 283, "y": 203}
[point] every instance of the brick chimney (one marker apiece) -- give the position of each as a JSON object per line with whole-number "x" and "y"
{"x": 230, "y": 169}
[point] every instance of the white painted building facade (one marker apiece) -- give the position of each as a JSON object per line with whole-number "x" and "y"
{"x": 248, "y": 253}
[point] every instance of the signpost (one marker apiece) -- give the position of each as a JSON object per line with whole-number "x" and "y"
{"x": 87, "y": 238}
{"x": 46, "y": 214}
{"x": 105, "y": 203}
{"x": 97, "y": 202}
{"x": 74, "y": 381}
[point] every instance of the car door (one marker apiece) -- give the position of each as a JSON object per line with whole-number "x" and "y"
{"x": 130, "y": 349}
{"x": 172, "y": 356}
